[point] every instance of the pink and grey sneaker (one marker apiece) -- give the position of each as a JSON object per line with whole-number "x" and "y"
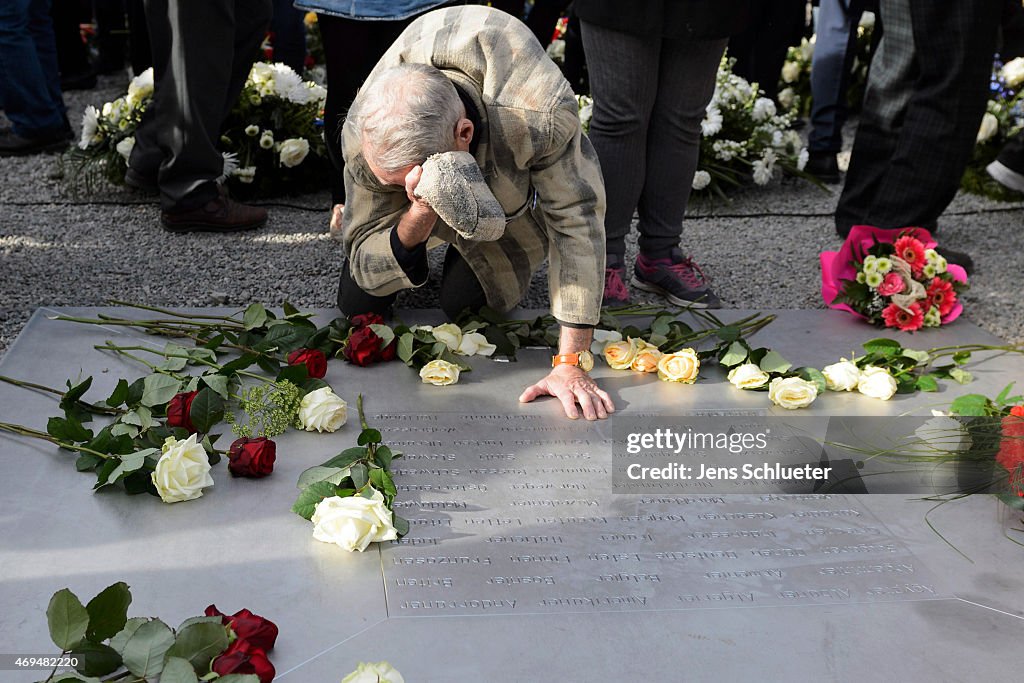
{"x": 679, "y": 279}
{"x": 615, "y": 291}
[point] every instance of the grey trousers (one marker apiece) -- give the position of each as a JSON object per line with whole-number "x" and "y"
{"x": 650, "y": 96}
{"x": 202, "y": 53}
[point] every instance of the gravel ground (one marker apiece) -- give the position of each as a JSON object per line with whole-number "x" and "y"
{"x": 760, "y": 249}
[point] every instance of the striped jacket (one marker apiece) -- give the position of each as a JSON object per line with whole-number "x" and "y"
{"x": 529, "y": 140}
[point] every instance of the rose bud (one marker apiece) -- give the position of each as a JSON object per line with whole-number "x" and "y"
{"x": 178, "y": 411}
{"x": 252, "y": 458}
{"x": 261, "y": 633}
{"x": 314, "y": 359}
{"x": 366, "y": 319}
{"x": 242, "y": 657}
{"x": 363, "y": 347}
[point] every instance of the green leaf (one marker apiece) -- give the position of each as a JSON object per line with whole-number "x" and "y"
{"x": 961, "y": 376}
{"x": 360, "y": 475}
{"x": 255, "y": 316}
{"x": 774, "y": 362}
{"x": 335, "y": 475}
{"x": 927, "y": 383}
{"x": 284, "y": 337}
{"x": 198, "y": 620}
{"x": 122, "y": 467}
{"x": 346, "y": 457}
{"x": 158, "y": 389}
{"x": 218, "y": 383}
{"x": 883, "y": 346}
{"x": 296, "y": 374}
{"x": 729, "y": 333}
{"x": 1011, "y": 499}
{"x": 108, "y": 612}
{"x": 386, "y": 334}
{"x": 75, "y": 676}
{"x": 1004, "y": 394}
{"x": 405, "y": 347}
{"x": 387, "y": 484}
{"x": 368, "y": 436}
{"x": 970, "y": 405}
{"x": 736, "y": 354}
{"x": 119, "y": 395}
{"x": 383, "y": 456}
{"x": 67, "y": 618}
{"x": 87, "y": 462}
{"x": 121, "y": 639}
{"x": 178, "y": 670}
{"x": 135, "y": 390}
{"x": 67, "y": 429}
{"x": 207, "y": 410}
{"x": 961, "y": 357}
{"x": 239, "y": 678}
{"x": 141, "y": 417}
{"x": 198, "y": 644}
{"x": 96, "y": 659}
{"x": 243, "y": 362}
{"x": 400, "y": 523}
{"x": 145, "y": 650}
{"x": 813, "y": 375}
{"x": 917, "y": 356}
{"x": 75, "y": 393}
{"x": 305, "y": 504}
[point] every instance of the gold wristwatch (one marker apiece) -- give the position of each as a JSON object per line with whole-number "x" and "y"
{"x": 584, "y": 360}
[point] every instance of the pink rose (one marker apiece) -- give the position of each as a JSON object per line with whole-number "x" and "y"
{"x": 892, "y": 284}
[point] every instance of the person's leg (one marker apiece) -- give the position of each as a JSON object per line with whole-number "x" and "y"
{"x": 460, "y": 287}
{"x": 761, "y": 49}
{"x": 147, "y": 154}
{"x": 31, "y": 86}
{"x": 76, "y": 72}
{"x": 954, "y": 60}
{"x": 890, "y": 84}
{"x": 289, "y": 35}
{"x": 624, "y": 81}
{"x": 836, "y": 36}
{"x": 140, "y": 53}
{"x": 352, "y": 300}
{"x": 543, "y": 17}
{"x": 251, "y": 19}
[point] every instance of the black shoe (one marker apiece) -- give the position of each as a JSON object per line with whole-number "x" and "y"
{"x": 13, "y": 145}
{"x": 140, "y": 182}
{"x": 679, "y": 279}
{"x": 824, "y": 167}
{"x": 958, "y": 258}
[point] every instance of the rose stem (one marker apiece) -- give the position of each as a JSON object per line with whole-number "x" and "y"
{"x": 167, "y": 311}
{"x": 110, "y": 346}
{"x": 36, "y": 434}
{"x": 84, "y": 404}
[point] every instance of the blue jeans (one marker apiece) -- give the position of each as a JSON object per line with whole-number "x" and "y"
{"x": 834, "y": 50}
{"x": 29, "y": 78}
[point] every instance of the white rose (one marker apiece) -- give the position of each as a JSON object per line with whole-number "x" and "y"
{"x": 267, "y": 139}
{"x": 1013, "y": 72}
{"x": 748, "y": 376}
{"x": 183, "y": 470}
{"x": 125, "y": 147}
{"x": 252, "y": 130}
{"x": 790, "y": 72}
{"x": 603, "y": 338}
{"x": 701, "y": 179}
{"x": 440, "y": 373}
{"x": 877, "y": 383}
{"x": 841, "y": 376}
{"x": 322, "y": 411}
{"x": 450, "y": 334}
{"x": 475, "y": 344}
{"x": 293, "y": 151}
{"x": 381, "y": 672}
{"x": 787, "y": 98}
{"x": 353, "y": 522}
{"x": 989, "y": 127}
{"x": 792, "y": 392}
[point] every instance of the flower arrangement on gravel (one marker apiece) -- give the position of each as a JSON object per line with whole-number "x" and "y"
{"x": 272, "y": 141}
{"x": 1003, "y": 120}
{"x": 795, "y": 79}
{"x": 98, "y": 639}
{"x": 744, "y": 137}
{"x": 893, "y": 278}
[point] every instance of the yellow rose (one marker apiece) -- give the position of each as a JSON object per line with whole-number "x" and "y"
{"x": 619, "y": 355}
{"x": 440, "y": 373}
{"x": 646, "y": 358}
{"x": 792, "y": 392}
{"x": 748, "y": 376}
{"x": 681, "y": 366}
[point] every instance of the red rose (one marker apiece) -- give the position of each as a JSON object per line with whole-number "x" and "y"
{"x": 363, "y": 347}
{"x": 259, "y": 632}
{"x": 178, "y": 411}
{"x": 253, "y": 458}
{"x": 390, "y": 352}
{"x": 366, "y": 319}
{"x": 907, "y": 320}
{"x": 314, "y": 359}
{"x": 242, "y": 657}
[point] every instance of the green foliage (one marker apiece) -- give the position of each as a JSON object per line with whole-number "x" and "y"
{"x": 270, "y": 410}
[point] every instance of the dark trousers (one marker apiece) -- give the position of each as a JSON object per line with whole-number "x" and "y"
{"x": 925, "y": 99}
{"x": 760, "y": 50}
{"x": 289, "y": 35}
{"x": 460, "y": 290}
{"x": 202, "y": 53}
{"x": 29, "y": 80}
{"x": 650, "y": 96}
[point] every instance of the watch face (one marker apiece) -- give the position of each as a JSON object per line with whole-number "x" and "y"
{"x": 586, "y": 361}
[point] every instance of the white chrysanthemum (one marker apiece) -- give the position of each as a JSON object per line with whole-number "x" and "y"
{"x": 90, "y": 128}
{"x": 932, "y": 318}
{"x": 712, "y": 123}
{"x": 252, "y": 130}
{"x": 762, "y": 174}
{"x": 701, "y": 179}
{"x": 267, "y": 139}
{"x": 942, "y": 265}
{"x": 289, "y": 85}
{"x": 883, "y": 264}
{"x": 140, "y": 88}
{"x": 764, "y": 109}
{"x": 246, "y": 174}
{"x": 230, "y": 166}
{"x": 874, "y": 279}
{"x": 929, "y": 270}
{"x": 801, "y": 161}
{"x": 787, "y": 98}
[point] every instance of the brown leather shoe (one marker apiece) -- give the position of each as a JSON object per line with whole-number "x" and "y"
{"x": 221, "y": 214}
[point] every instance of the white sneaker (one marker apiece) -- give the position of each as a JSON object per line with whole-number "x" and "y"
{"x": 1006, "y": 176}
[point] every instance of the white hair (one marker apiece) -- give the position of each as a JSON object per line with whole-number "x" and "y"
{"x": 408, "y": 113}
